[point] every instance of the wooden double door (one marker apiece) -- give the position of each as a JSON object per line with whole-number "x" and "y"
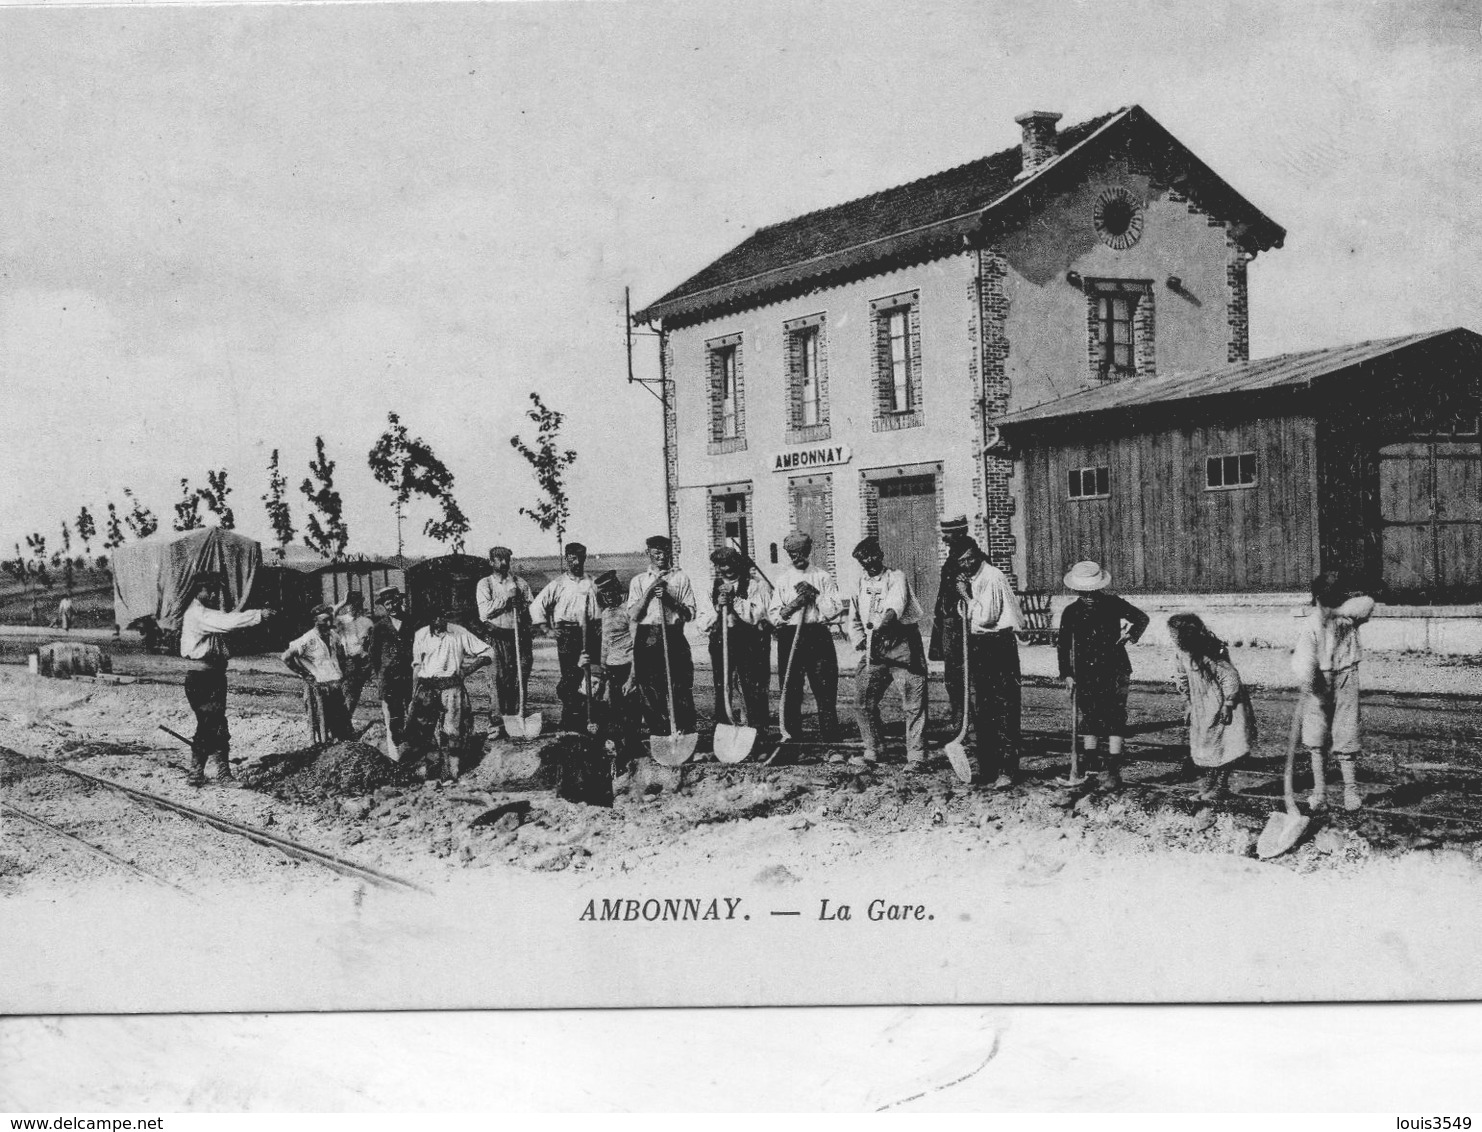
{"x": 910, "y": 532}
{"x": 1430, "y": 511}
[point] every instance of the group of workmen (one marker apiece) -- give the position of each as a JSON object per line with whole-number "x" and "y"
{"x": 625, "y": 661}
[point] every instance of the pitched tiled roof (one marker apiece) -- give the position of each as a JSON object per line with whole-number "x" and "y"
{"x": 935, "y": 210}
{"x": 1299, "y": 370}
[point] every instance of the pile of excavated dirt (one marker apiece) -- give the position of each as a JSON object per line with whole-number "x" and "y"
{"x": 341, "y": 770}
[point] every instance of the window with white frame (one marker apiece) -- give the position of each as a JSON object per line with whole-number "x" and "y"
{"x": 897, "y": 360}
{"x": 727, "y": 397}
{"x": 1234, "y": 470}
{"x": 807, "y": 379}
{"x": 1089, "y": 483}
{"x": 1120, "y": 322}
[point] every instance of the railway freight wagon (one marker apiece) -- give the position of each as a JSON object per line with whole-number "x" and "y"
{"x": 446, "y": 582}
{"x": 337, "y": 580}
{"x": 539, "y": 570}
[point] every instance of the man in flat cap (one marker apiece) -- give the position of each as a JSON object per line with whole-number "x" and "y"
{"x": 354, "y": 628}
{"x": 504, "y": 602}
{"x": 660, "y": 601}
{"x": 741, "y": 599}
{"x": 616, "y": 689}
{"x": 885, "y": 626}
{"x": 804, "y": 603}
{"x": 946, "y": 626}
{"x": 391, "y": 657}
{"x": 988, "y": 604}
{"x": 440, "y": 718}
{"x": 568, "y": 608}
{"x": 318, "y": 659}
{"x": 203, "y": 631}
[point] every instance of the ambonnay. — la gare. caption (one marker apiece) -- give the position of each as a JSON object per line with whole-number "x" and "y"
{"x": 723, "y": 908}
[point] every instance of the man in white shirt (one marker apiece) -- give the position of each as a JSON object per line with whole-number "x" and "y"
{"x": 504, "y": 602}
{"x": 616, "y": 689}
{"x": 203, "y": 632}
{"x": 804, "y": 603}
{"x": 741, "y": 597}
{"x": 318, "y": 659}
{"x": 354, "y": 629}
{"x": 993, "y": 615}
{"x": 567, "y": 606}
{"x": 660, "y": 601}
{"x": 885, "y": 626}
{"x": 440, "y": 718}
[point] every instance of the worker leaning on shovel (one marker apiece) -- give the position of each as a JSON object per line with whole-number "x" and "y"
{"x": 318, "y": 659}
{"x": 885, "y": 626}
{"x": 741, "y": 598}
{"x": 804, "y": 604}
{"x": 203, "y": 632}
{"x": 992, "y": 615}
{"x": 391, "y": 659}
{"x": 660, "y": 601}
{"x": 504, "y": 601}
{"x": 440, "y": 718}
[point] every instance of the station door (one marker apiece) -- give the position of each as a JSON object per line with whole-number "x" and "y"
{"x": 909, "y": 533}
{"x": 1430, "y": 510}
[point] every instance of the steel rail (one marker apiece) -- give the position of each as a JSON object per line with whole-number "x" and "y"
{"x": 97, "y": 850}
{"x": 240, "y": 829}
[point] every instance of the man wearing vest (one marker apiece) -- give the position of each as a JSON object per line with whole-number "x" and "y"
{"x": 741, "y": 597}
{"x": 805, "y": 601}
{"x": 885, "y": 626}
{"x": 993, "y": 663}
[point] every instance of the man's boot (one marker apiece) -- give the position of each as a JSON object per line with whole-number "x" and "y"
{"x": 1110, "y": 779}
{"x": 222, "y": 766}
{"x": 1353, "y": 799}
{"x": 197, "y": 775}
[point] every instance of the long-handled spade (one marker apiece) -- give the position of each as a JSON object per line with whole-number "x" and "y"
{"x": 782, "y": 703}
{"x": 732, "y": 743}
{"x": 956, "y": 751}
{"x": 675, "y": 748}
{"x": 1285, "y": 827}
{"x": 522, "y": 726}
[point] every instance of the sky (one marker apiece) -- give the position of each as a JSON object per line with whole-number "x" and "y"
{"x": 229, "y": 229}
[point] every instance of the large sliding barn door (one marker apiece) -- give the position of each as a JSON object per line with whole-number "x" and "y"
{"x": 1430, "y": 510}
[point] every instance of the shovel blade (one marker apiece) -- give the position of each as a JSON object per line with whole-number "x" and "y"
{"x": 672, "y": 750}
{"x": 733, "y": 743}
{"x": 1283, "y": 831}
{"x": 961, "y": 762}
{"x": 391, "y": 752}
{"x": 527, "y": 727}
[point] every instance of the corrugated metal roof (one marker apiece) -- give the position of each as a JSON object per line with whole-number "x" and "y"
{"x": 897, "y": 221}
{"x": 1296, "y": 370}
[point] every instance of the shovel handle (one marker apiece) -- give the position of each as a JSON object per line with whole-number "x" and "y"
{"x": 668, "y": 673}
{"x": 725, "y": 665}
{"x": 966, "y": 674}
{"x": 1288, "y": 788}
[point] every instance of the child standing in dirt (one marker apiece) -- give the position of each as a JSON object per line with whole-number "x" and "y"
{"x": 1094, "y": 631}
{"x": 1222, "y": 727}
{"x": 1325, "y": 662}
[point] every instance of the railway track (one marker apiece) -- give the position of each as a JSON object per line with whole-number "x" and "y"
{"x": 292, "y": 849}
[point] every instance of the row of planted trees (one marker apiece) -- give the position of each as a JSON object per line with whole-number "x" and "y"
{"x": 401, "y": 462}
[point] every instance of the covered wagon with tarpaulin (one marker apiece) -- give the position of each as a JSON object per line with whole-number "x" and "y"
{"x": 1254, "y": 476}
{"x": 152, "y": 578}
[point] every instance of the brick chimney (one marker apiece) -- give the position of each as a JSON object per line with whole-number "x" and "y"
{"x": 1039, "y": 146}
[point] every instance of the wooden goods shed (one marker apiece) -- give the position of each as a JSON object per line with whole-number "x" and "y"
{"x": 1254, "y": 476}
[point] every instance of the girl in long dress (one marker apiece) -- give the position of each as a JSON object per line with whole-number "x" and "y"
{"x": 1222, "y": 727}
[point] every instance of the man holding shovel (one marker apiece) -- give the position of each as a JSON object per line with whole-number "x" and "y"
{"x": 660, "y": 601}
{"x": 391, "y": 660}
{"x": 504, "y": 602}
{"x": 805, "y": 601}
{"x": 565, "y": 606}
{"x": 992, "y": 662}
{"x": 885, "y": 626}
{"x": 740, "y": 598}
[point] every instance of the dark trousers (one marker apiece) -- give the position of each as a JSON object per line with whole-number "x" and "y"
{"x": 329, "y": 714}
{"x": 993, "y": 665}
{"x": 648, "y": 655}
{"x": 506, "y": 673}
{"x": 816, "y": 661}
{"x": 952, "y": 665}
{"x": 751, "y": 671}
{"x": 205, "y": 690}
{"x": 357, "y": 672}
{"x": 621, "y": 712}
{"x": 396, "y": 694}
{"x": 573, "y": 675}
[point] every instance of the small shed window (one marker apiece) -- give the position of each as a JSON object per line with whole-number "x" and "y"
{"x": 1090, "y": 483}
{"x": 1238, "y": 470}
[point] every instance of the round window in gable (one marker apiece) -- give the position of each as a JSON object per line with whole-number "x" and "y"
{"x": 1118, "y": 218}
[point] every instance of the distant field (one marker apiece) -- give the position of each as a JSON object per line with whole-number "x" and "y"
{"x": 92, "y": 600}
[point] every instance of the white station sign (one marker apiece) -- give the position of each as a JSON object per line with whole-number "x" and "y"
{"x": 821, "y": 456}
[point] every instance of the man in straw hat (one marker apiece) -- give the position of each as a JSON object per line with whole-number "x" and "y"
{"x": 203, "y": 631}
{"x": 805, "y": 601}
{"x": 1094, "y": 631}
{"x": 885, "y": 626}
{"x": 946, "y": 626}
{"x": 391, "y": 640}
{"x": 318, "y": 659}
{"x": 741, "y": 598}
{"x": 661, "y": 600}
{"x": 564, "y": 606}
{"x": 504, "y": 602}
{"x": 440, "y": 717}
{"x": 984, "y": 594}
